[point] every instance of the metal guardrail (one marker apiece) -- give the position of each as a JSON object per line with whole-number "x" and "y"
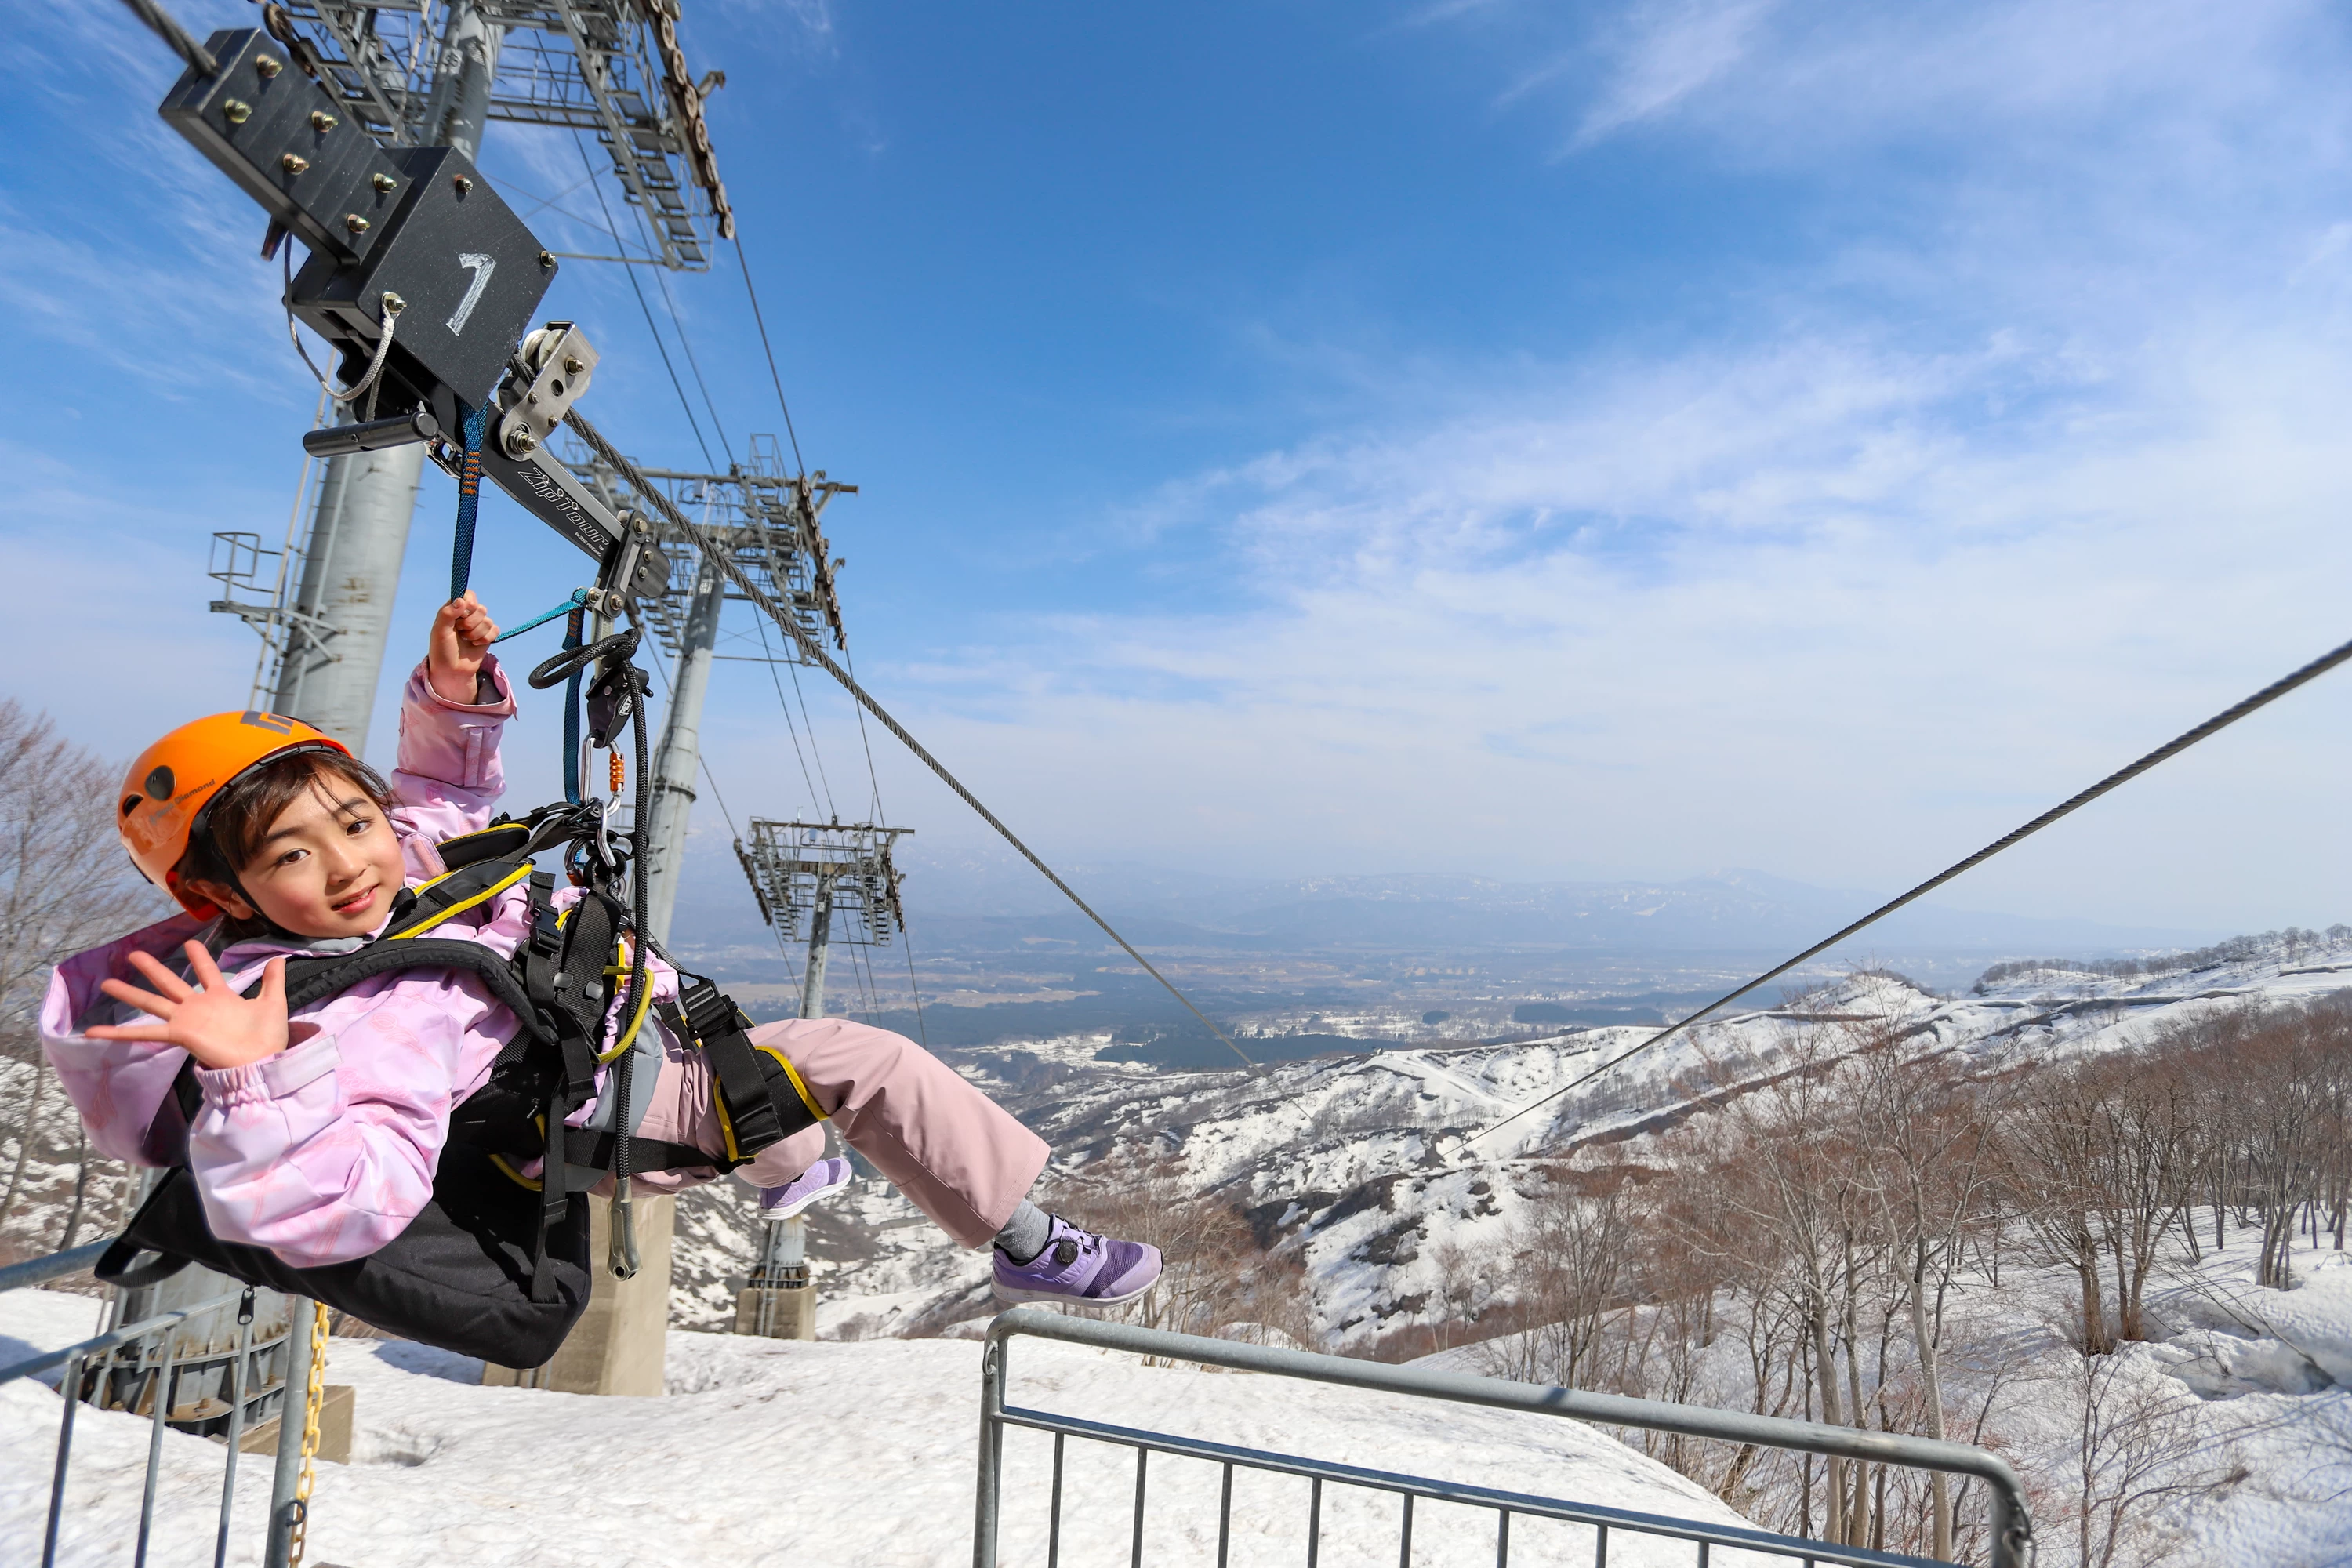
{"x": 154, "y": 1371}
{"x": 55, "y": 1266}
{"x": 2012, "y": 1529}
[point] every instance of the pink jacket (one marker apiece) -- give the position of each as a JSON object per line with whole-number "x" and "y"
{"x": 325, "y": 1152}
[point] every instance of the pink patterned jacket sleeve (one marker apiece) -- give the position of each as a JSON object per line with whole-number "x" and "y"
{"x": 327, "y": 1151}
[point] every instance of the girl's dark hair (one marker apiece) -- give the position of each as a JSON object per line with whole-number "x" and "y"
{"x": 233, "y": 824}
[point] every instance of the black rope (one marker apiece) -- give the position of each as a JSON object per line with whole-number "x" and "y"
{"x": 2173, "y": 748}
{"x": 817, "y": 656}
{"x": 167, "y": 27}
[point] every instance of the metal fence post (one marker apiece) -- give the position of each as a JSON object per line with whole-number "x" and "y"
{"x": 70, "y": 1387}
{"x": 162, "y": 1393}
{"x": 289, "y": 1432}
{"x": 235, "y": 1425}
{"x": 2011, "y": 1530}
{"x": 992, "y": 1456}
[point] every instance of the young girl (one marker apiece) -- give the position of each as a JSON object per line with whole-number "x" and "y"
{"x": 318, "y": 1133}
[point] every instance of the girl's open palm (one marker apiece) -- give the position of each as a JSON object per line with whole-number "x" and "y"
{"x": 208, "y": 1020}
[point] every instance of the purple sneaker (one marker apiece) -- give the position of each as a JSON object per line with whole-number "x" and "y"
{"x": 820, "y": 1180}
{"x": 1080, "y": 1269}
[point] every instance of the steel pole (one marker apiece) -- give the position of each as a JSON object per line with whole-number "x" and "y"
{"x": 820, "y": 939}
{"x": 464, "y": 68}
{"x": 292, "y": 1415}
{"x": 988, "y": 1482}
{"x": 351, "y": 567}
{"x": 681, "y": 745}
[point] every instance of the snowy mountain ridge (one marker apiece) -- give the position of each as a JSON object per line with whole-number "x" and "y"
{"x": 1366, "y": 1166}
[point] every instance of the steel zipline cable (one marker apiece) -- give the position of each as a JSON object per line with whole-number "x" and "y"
{"x": 167, "y": 27}
{"x": 817, "y": 656}
{"x": 2173, "y": 748}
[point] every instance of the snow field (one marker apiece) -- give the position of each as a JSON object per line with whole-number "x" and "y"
{"x": 859, "y": 1455}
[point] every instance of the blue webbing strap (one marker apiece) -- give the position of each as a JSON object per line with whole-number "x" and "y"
{"x": 572, "y": 713}
{"x": 580, "y": 596}
{"x": 470, "y": 501}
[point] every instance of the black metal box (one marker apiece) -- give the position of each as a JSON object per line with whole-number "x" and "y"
{"x": 472, "y": 276}
{"x": 289, "y": 142}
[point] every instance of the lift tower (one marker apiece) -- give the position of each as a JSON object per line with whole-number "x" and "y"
{"x": 768, "y": 522}
{"x": 823, "y": 873}
{"x": 415, "y": 73}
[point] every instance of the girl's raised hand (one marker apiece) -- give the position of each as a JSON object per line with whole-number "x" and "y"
{"x": 462, "y": 634}
{"x": 208, "y": 1020}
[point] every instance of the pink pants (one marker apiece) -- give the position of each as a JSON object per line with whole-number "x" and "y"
{"x": 962, "y": 1157}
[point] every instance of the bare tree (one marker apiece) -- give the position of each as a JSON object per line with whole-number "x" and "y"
{"x": 2052, "y": 1165}
{"x": 1927, "y": 1141}
{"x": 2139, "y": 1448}
{"x": 1574, "y": 1245}
{"x": 1217, "y": 1277}
{"x": 64, "y": 886}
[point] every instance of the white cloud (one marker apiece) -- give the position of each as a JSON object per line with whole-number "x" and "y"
{"x": 1669, "y": 49}
{"x": 1779, "y": 610}
{"x": 2030, "y": 466}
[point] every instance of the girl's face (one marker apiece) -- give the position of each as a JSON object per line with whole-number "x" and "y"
{"x": 329, "y": 866}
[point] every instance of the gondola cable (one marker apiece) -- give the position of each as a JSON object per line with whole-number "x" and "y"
{"x": 587, "y": 432}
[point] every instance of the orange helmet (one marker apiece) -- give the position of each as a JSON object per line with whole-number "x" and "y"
{"x": 163, "y": 797}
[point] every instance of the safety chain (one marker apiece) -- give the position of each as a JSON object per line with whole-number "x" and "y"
{"x": 313, "y": 1397}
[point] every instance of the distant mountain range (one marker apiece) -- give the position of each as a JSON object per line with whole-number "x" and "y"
{"x": 988, "y": 898}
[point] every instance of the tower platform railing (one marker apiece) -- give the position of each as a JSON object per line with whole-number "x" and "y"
{"x": 176, "y": 1367}
{"x": 2011, "y": 1532}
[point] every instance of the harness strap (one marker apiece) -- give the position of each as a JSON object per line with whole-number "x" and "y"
{"x": 503, "y": 839}
{"x": 418, "y": 910}
{"x": 310, "y": 979}
{"x": 499, "y": 1121}
{"x": 716, "y": 1027}
{"x": 754, "y": 1113}
{"x": 587, "y": 1146}
{"x": 470, "y": 431}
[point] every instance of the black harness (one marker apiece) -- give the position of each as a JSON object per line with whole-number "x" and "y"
{"x": 497, "y": 1263}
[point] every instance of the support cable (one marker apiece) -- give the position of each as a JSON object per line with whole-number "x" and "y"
{"x": 743, "y": 265}
{"x": 810, "y": 725}
{"x": 686, "y": 346}
{"x": 921, "y": 1034}
{"x": 2173, "y": 748}
{"x": 874, "y": 782}
{"x": 660, "y": 346}
{"x": 167, "y": 27}
{"x": 817, "y": 656}
{"x": 816, "y": 804}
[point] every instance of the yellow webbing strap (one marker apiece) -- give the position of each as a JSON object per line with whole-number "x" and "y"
{"x": 620, "y": 967}
{"x": 799, "y": 1088}
{"x": 462, "y": 905}
{"x": 726, "y": 1122}
{"x": 719, "y": 1097}
{"x": 506, "y": 1166}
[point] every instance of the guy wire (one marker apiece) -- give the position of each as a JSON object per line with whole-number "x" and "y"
{"x": 637, "y": 288}
{"x": 752, "y": 590}
{"x": 815, "y": 804}
{"x": 743, "y": 265}
{"x": 2220, "y": 722}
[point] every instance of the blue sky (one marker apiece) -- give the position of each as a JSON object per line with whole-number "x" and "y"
{"x": 1536, "y": 440}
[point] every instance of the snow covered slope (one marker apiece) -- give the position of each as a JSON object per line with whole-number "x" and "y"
{"x": 1369, "y": 1165}
{"x": 837, "y": 1454}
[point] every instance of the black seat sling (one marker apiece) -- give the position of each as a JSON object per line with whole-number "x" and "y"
{"x": 495, "y": 1264}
